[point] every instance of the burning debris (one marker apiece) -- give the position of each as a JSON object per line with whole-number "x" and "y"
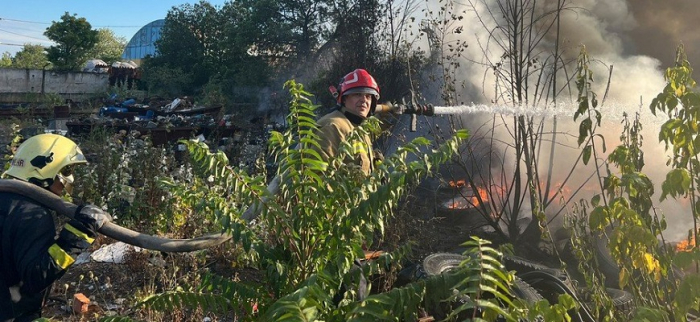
{"x": 465, "y": 197}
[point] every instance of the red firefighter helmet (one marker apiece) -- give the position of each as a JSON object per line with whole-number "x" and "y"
{"x": 359, "y": 81}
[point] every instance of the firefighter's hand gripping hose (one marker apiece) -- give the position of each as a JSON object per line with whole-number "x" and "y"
{"x": 91, "y": 218}
{"x": 411, "y": 107}
{"x": 108, "y": 228}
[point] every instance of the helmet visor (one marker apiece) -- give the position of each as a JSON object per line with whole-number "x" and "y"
{"x": 363, "y": 90}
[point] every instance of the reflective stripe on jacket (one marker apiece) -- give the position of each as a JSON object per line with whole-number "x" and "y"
{"x": 31, "y": 257}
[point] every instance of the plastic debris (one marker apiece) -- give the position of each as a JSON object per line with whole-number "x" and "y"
{"x": 113, "y": 253}
{"x": 82, "y": 258}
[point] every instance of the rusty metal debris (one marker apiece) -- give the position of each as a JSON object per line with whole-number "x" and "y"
{"x": 163, "y": 122}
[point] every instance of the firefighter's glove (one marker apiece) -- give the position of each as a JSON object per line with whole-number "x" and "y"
{"x": 77, "y": 235}
{"x": 390, "y": 117}
{"x": 89, "y": 219}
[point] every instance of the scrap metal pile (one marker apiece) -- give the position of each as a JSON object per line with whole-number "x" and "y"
{"x": 164, "y": 122}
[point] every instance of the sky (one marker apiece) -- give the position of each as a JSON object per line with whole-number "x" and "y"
{"x": 25, "y": 21}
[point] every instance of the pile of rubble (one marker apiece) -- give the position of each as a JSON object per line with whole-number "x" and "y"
{"x": 242, "y": 138}
{"x": 164, "y": 122}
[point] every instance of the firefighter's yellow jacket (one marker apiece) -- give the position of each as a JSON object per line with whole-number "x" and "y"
{"x": 334, "y": 128}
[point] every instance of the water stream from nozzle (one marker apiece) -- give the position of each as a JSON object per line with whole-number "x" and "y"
{"x": 566, "y": 110}
{"x": 562, "y": 109}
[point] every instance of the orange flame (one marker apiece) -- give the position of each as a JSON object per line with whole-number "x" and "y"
{"x": 560, "y": 190}
{"x": 686, "y": 245}
{"x": 464, "y": 202}
{"x": 458, "y": 183}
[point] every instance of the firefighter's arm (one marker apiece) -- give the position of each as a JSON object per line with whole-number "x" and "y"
{"x": 78, "y": 234}
{"x": 388, "y": 115}
{"x": 43, "y": 259}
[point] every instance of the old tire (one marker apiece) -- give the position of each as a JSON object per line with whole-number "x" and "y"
{"x": 525, "y": 291}
{"x": 439, "y": 263}
{"x": 606, "y": 263}
{"x": 521, "y": 265}
{"x": 622, "y": 300}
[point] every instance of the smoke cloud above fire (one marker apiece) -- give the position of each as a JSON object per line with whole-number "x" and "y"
{"x": 637, "y": 38}
{"x": 614, "y": 33}
{"x": 662, "y": 25}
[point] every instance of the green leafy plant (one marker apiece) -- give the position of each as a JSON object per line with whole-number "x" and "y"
{"x": 10, "y": 148}
{"x": 680, "y": 133}
{"x": 611, "y": 217}
{"x": 124, "y": 177}
{"x": 307, "y": 235}
{"x": 623, "y": 214}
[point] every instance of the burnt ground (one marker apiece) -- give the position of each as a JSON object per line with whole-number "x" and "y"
{"x": 114, "y": 288}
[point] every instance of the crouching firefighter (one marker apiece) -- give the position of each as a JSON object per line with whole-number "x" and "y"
{"x": 32, "y": 254}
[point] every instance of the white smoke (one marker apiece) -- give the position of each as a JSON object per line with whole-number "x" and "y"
{"x": 604, "y": 27}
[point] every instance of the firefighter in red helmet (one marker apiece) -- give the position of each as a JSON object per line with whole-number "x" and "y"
{"x": 357, "y": 97}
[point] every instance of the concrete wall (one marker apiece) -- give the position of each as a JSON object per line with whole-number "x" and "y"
{"x": 17, "y": 85}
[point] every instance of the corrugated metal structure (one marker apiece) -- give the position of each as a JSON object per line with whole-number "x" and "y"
{"x": 143, "y": 42}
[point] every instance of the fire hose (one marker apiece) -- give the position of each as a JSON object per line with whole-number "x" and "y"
{"x": 412, "y": 108}
{"x": 110, "y": 229}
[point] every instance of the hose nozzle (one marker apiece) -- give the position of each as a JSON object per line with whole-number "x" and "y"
{"x": 388, "y": 108}
{"x": 411, "y": 107}
{"x": 417, "y": 109}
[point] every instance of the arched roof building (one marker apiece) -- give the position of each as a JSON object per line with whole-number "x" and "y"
{"x": 143, "y": 42}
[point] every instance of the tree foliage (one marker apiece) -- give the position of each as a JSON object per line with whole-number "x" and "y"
{"x": 310, "y": 232}
{"x": 247, "y": 44}
{"x": 108, "y": 47}
{"x": 218, "y": 47}
{"x": 623, "y": 214}
{"x": 680, "y": 101}
{"x": 74, "y": 38}
{"x": 31, "y": 56}
{"x": 6, "y": 59}
{"x": 355, "y": 22}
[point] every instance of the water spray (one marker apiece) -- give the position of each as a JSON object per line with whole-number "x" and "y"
{"x": 409, "y": 105}
{"x": 546, "y": 111}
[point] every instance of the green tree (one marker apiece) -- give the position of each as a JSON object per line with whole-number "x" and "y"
{"x": 164, "y": 80}
{"x": 108, "y": 48}
{"x": 6, "y": 59}
{"x": 219, "y": 46}
{"x": 356, "y": 22}
{"x": 31, "y": 56}
{"x": 352, "y": 42}
{"x": 307, "y": 24}
{"x": 287, "y": 31}
{"x": 74, "y": 38}
{"x": 199, "y": 28}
